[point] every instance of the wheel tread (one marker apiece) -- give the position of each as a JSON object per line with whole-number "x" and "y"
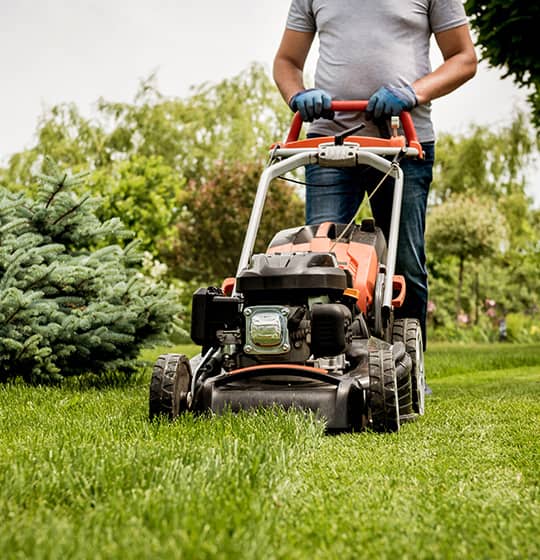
{"x": 407, "y": 330}
{"x": 383, "y": 399}
{"x": 165, "y": 377}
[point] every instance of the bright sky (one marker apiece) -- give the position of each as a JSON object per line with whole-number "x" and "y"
{"x": 80, "y": 50}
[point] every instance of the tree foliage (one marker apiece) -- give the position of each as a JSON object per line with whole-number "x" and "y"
{"x": 507, "y": 36}
{"x": 154, "y": 158}
{"x": 491, "y": 166}
{"x": 468, "y": 228}
{"x": 215, "y": 217}
{"x": 72, "y": 298}
{"x": 491, "y": 162}
{"x": 234, "y": 120}
{"x": 142, "y": 191}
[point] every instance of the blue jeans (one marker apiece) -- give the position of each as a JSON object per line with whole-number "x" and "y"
{"x": 335, "y": 194}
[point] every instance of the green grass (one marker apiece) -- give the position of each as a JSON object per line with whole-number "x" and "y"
{"x": 83, "y": 474}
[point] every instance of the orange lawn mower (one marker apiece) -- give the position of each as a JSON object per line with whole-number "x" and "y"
{"x": 309, "y": 324}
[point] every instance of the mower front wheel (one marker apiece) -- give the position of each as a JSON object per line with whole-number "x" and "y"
{"x": 383, "y": 392}
{"x": 170, "y": 386}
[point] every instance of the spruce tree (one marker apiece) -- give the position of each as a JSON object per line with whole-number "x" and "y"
{"x": 73, "y": 298}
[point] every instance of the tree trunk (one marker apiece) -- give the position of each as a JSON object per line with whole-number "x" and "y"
{"x": 460, "y": 287}
{"x": 476, "y": 297}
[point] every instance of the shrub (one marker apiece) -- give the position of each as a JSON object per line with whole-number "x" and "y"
{"x": 522, "y": 328}
{"x": 72, "y": 296}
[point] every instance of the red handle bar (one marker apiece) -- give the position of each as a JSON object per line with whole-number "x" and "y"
{"x": 355, "y": 106}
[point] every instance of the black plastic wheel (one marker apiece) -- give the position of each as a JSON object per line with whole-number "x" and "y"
{"x": 403, "y": 363}
{"x": 408, "y": 331}
{"x": 383, "y": 395}
{"x": 170, "y": 385}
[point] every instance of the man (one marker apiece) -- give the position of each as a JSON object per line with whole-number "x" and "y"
{"x": 376, "y": 50}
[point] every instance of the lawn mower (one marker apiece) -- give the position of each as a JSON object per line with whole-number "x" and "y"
{"x": 309, "y": 324}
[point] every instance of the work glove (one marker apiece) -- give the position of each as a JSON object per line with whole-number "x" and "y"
{"x": 389, "y": 101}
{"x": 312, "y": 104}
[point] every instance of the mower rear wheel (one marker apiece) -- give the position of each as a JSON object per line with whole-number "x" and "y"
{"x": 404, "y": 382}
{"x": 170, "y": 386}
{"x": 409, "y": 332}
{"x": 383, "y": 395}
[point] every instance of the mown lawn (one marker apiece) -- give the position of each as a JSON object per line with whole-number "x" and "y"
{"x": 83, "y": 474}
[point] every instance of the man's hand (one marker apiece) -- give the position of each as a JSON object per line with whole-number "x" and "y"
{"x": 389, "y": 101}
{"x": 312, "y": 104}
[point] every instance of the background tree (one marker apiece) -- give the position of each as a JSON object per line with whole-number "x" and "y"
{"x": 142, "y": 191}
{"x": 235, "y": 120}
{"x": 467, "y": 228}
{"x": 507, "y": 38}
{"x": 72, "y": 298}
{"x": 492, "y": 164}
{"x": 146, "y": 152}
{"x": 214, "y": 219}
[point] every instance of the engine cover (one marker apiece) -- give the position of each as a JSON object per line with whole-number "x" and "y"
{"x": 308, "y": 272}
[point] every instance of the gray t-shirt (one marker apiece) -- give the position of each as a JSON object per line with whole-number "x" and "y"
{"x": 364, "y": 45}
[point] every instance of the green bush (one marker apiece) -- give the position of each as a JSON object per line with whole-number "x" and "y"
{"x": 454, "y": 333}
{"x": 73, "y": 298}
{"x": 522, "y": 328}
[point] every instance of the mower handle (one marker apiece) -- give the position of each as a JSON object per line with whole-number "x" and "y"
{"x": 355, "y": 106}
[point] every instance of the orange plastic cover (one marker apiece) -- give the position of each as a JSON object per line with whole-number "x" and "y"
{"x": 399, "y": 286}
{"x": 228, "y": 286}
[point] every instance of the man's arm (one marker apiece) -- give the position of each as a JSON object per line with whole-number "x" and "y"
{"x": 289, "y": 62}
{"x": 459, "y": 65}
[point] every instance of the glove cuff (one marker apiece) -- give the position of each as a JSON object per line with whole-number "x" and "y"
{"x": 414, "y": 99}
{"x": 292, "y": 100}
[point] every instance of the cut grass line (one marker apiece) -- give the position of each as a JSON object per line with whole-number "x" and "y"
{"x": 443, "y": 360}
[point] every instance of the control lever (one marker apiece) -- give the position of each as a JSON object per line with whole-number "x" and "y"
{"x": 340, "y": 138}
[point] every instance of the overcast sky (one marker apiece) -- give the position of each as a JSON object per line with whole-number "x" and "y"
{"x": 79, "y": 50}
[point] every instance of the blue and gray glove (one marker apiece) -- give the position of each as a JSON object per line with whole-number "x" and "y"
{"x": 312, "y": 104}
{"x": 389, "y": 101}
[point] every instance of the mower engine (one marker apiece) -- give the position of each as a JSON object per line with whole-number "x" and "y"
{"x": 295, "y": 308}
